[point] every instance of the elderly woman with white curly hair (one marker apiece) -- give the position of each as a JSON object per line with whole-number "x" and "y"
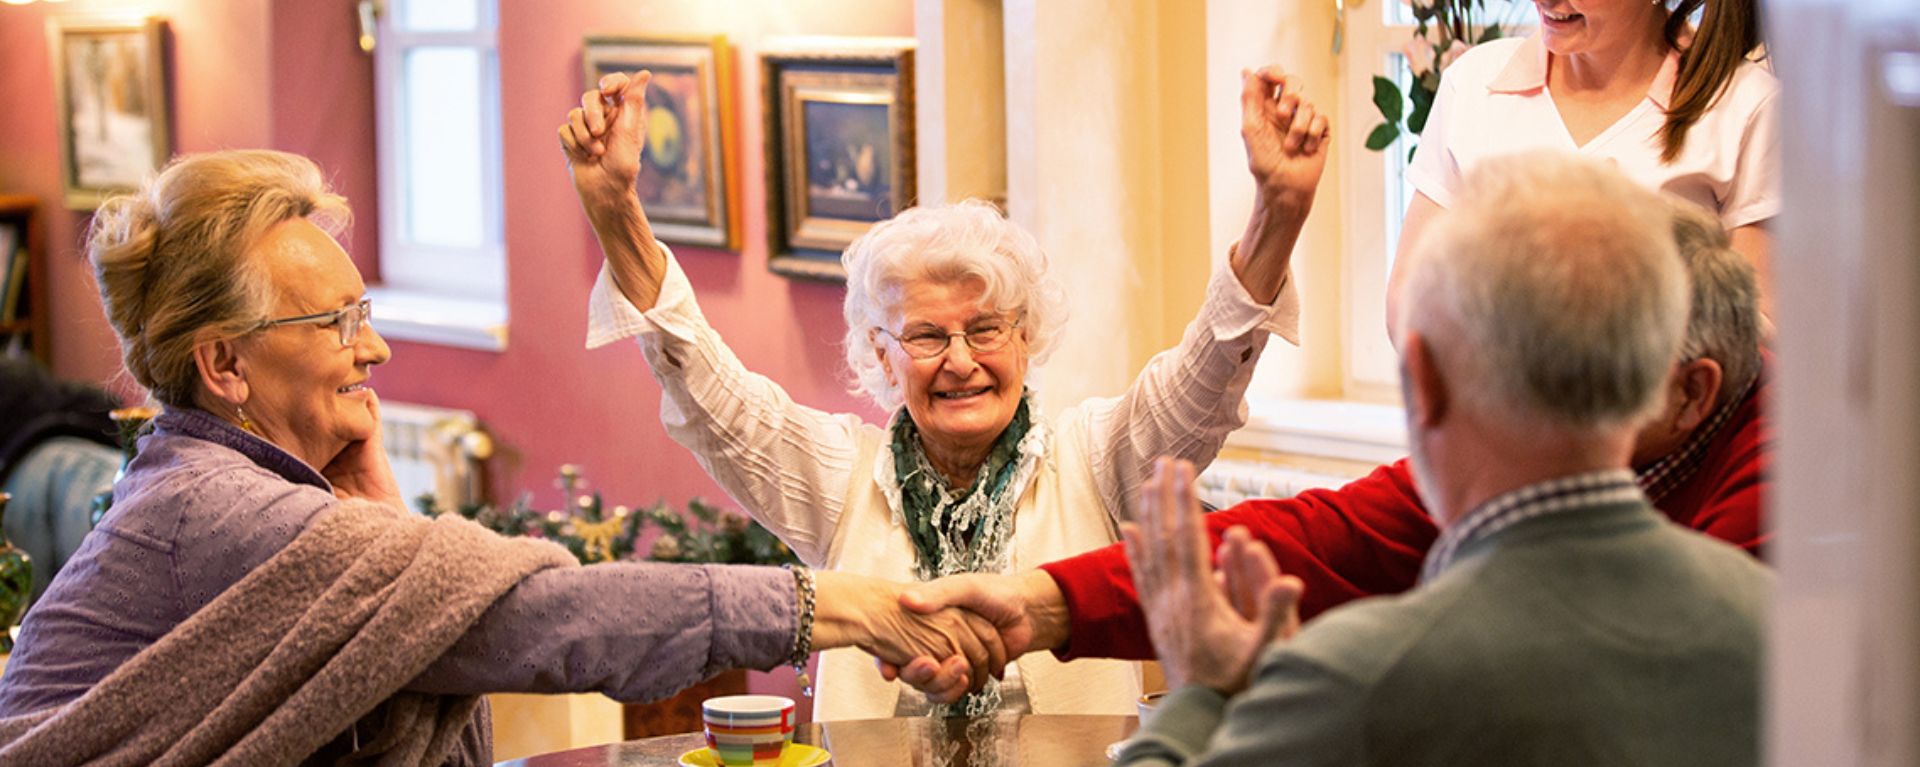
{"x": 946, "y": 309}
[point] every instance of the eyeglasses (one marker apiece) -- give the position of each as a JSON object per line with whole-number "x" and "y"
{"x": 347, "y": 320}
{"x": 926, "y": 342}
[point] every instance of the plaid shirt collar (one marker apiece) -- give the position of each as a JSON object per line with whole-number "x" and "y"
{"x": 1579, "y": 491}
{"x": 1663, "y": 476}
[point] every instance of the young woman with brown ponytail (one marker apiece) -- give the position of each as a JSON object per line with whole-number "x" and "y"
{"x": 1684, "y": 109}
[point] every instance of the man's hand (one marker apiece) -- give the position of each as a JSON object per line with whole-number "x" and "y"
{"x": 361, "y": 470}
{"x": 867, "y": 613}
{"x": 603, "y": 137}
{"x": 1286, "y": 137}
{"x": 1027, "y": 610}
{"x": 1207, "y": 630}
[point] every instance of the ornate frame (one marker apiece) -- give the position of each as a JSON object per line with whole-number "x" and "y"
{"x": 803, "y": 241}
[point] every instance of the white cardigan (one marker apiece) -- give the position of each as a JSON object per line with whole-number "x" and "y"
{"x": 815, "y": 479}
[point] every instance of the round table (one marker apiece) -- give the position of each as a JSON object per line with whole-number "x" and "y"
{"x": 1008, "y": 740}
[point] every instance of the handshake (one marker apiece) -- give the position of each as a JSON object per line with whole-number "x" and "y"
{"x": 944, "y": 637}
{"x": 1209, "y": 622}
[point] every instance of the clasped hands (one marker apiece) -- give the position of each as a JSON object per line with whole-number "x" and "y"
{"x": 1208, "y": 624}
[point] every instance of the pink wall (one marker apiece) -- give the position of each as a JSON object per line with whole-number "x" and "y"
{"x": 287, "y": 75}
{"x": 218, "y": 97}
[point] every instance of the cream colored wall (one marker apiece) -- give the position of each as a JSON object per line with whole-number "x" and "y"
{"x": 1297, "y": 35}
{"x": 1121, "y": 152}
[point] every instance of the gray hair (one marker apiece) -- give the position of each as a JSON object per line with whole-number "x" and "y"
{"x": 966, "y": 241}
{"x": 1558, "y": 281}
{"x": 1724, "y": 324}
{"x": 170, "y": 260}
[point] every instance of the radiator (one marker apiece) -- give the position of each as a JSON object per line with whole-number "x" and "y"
{"x": 436, "y": 450}
{"x": 1228, "y": 482}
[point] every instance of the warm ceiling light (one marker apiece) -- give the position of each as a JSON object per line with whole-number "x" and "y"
{"x": 16, "y": 2}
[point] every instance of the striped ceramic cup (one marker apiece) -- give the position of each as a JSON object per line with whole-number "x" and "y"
{"x": 748, "y": 730}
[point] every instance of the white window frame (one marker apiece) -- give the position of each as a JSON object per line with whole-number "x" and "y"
{"x": 1376, "y": 192}
{"x": 1374, "y": 203}
{"x": 453, "y": 296}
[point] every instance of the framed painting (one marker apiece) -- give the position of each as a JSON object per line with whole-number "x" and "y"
{"x": 687, "y": 168}
{"x": 840, "y": 151}
{"x": 110, "y": 79}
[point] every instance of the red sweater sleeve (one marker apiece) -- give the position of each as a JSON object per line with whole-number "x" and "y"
{"x": 1368, "y": 537}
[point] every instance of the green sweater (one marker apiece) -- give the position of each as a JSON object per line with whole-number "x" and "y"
{"x": 1597, "y": 636}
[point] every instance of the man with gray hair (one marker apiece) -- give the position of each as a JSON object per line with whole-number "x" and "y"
{"x": 1559, "y": 618}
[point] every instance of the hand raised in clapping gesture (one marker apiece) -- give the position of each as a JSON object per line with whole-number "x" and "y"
{"x": 1208, "y": 628}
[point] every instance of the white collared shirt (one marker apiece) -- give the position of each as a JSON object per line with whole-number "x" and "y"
{"x": 1494, "y": 101}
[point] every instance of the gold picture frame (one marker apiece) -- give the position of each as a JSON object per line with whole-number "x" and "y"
{"x": 111, "y": 81}
{"x": 840, "y": 151}
{"x": 688, "y": 180}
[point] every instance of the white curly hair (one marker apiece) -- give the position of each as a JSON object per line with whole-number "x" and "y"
{"x": 965, "y": 241}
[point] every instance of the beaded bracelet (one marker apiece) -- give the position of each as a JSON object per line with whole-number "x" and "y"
{"x": 803, "y": 633}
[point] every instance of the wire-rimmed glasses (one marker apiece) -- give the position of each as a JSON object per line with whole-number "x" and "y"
{"x": 348, "y": 320}
{"x": 926, "y": 342}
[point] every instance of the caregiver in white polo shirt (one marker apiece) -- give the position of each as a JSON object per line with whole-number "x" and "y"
{"x": 1684, "y": 111}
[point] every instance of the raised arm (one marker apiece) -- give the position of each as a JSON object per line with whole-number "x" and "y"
{"x": 786, "y": 464}
{"x": 1187, "y": 399}
{"x": 1286, "y": 146}
{"x": 603, "y": 138}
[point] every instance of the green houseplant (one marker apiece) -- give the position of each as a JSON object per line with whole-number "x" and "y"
{"x": 1443, "y": 30}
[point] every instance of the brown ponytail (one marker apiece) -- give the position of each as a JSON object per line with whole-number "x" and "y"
{"x": 1729, "y": 31}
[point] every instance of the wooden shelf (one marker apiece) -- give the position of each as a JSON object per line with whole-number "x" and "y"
{"x": 20, "y": 209}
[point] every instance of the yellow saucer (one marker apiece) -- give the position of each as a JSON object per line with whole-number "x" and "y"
{"x": 797, "y": 755}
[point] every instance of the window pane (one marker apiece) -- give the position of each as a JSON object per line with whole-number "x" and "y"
{"x": 443, "y": 146}
{"x": 1399, "y": 189}
{"x": 439, "y": 15}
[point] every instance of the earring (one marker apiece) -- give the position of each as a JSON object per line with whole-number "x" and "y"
{"x": 246, "y": 425}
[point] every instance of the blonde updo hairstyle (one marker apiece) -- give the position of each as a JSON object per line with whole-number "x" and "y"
{"x": 961, "y": 242}
{"x": 171, "y": 259}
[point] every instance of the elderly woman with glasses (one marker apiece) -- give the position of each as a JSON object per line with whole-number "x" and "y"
{"x": 259, "y": 595}
{"x": 946, "y": 309}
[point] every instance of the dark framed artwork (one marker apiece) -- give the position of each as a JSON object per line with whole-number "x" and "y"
{"x": 840, "y": 151}
{"x": 110, "y": 79}
{"x": 687, "y": 179}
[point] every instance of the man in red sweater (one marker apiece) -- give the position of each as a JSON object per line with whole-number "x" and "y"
{"x": 1702, "y": 462}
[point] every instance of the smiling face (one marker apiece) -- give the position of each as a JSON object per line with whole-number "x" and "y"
{"x": 1576, "y": 27}
{"x": 306, "y": 392}
{"x": 962, "y": 399}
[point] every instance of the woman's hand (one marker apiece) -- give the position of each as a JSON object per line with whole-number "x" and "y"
{"x": 361, "y": 470}
{"x": 1287, "y": 146}
{"x": 603, "y": 138}
{"x": 1286, "y": 137}
{"x": 1028, "y": 610}
{"x": 1207, "y": 630}
{"x": 854, "y": 610}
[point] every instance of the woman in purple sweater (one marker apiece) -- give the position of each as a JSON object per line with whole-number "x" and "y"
{"x": 258, "y": 593}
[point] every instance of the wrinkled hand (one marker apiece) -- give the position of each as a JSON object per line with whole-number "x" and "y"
{"x": 1207, "y": 629}
{"x": 361, "y": 470}
{"x": 866, "y": 613}
{"x": 1286, "y": 138}
{"x": 1003, "y": 601}
{"x": 604, "y": 136}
